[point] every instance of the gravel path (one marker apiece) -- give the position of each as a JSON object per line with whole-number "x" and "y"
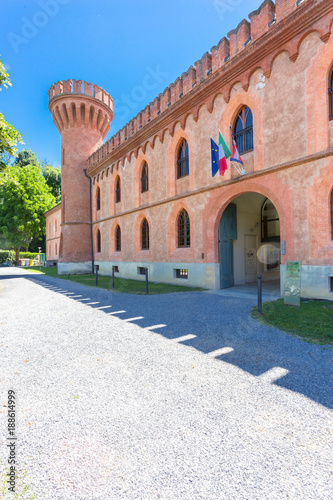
{"x": 179, "y": 396}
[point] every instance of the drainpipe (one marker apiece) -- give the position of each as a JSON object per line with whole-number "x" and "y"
{"x": 91, "y": 226}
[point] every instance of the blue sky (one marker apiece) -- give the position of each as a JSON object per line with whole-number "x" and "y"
{"x": 113, "y": 44}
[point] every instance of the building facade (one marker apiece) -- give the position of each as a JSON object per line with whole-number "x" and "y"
{"x": 53, "y": 230}
{"x": 147, "y": 197}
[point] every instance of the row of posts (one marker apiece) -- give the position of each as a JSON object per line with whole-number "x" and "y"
{"x": 113, "y": 271}
{"x": 146, "y": 274}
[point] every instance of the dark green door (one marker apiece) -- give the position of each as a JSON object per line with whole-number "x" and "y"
{"x": 227, "y": 233}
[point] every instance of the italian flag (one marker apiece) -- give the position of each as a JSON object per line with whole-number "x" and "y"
{"x": 224, "y": 154}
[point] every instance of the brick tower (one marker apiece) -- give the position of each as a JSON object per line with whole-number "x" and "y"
{"x": 83, "y": 118}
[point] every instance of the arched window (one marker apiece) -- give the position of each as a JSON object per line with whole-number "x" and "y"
{"x": 244, "y": 130}
{"x": 98, "y": 198}
{"x": 330, "y": 95}
{"x": 332, "y": 215}
{"x": 144, "y": 178}
{"x": 182, "y": 160}
{"x": 99, "y": 243}
{"x": 118, "y": 239}
{"x": 145, "y": 235}
{"x": 184, "y": 238}
{"x": 118, "y": 194}
{"x": 270, "y": 222}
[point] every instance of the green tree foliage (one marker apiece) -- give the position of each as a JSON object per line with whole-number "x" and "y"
{"x": 26, "y": 157}
{"x": 9, "y": 136}
{"x": 24, "y": 197}
{"x": 52, "y": 176}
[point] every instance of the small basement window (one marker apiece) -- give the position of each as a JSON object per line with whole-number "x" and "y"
{"x": 141, "y": 270}
{"x": 181, "y": 273}
{"x": 330, "y": 283}
{"x": 116, "y": 269}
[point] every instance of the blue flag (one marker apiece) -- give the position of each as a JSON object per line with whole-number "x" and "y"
{"x": 215, "y": 157}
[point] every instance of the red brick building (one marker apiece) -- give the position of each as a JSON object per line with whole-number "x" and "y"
{"x": 154, "y": 202}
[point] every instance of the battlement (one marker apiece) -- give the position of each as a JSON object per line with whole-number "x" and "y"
{"x": 79, "y": 87}
{"x": 95, "y": 112}
{"x": 246, "y": 33}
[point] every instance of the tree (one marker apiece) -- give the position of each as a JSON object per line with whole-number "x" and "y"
{"x": 9, "y": 136}
{"x": 24, "y": 198}
{"x": 52, "y": 176}
{"x": 26, "y": 157}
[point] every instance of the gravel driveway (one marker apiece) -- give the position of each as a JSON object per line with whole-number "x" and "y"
{"x": 179, "y": 396}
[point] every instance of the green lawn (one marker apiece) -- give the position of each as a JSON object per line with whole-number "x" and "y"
{"x": 120, "y": 285}
{"x": 313, "y": 321}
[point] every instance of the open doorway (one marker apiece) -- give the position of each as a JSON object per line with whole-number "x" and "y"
{"x": 249, "y": 241}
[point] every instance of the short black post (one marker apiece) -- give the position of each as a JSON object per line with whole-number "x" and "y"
{"x": 112, "y": 277}
{"x": 96, "y": 274}
{"x": 147, "y": 280}
{"x": 259, "y": 295}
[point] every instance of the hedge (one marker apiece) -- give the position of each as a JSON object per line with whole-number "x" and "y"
{"x": 9, "y": 256}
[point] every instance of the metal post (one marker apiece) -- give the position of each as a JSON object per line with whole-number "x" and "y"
{"x": 147, "y": 280}
{"x": 259, "y": 295}
{"x": 96, "y": 274}
{"x": 112, "y": 277}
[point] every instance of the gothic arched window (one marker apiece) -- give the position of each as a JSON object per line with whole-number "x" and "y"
{"x": 98, "y": 198}
{"x": 330, "y": 95}
{"x": 99, "y": 243}
{"x": 184, "y": 237}
{"x": 183, "y": 160}
{"x": 332, "y": 215}
{"x": 270, "y": 222}
{"x": 118, "y": 239}
{"x": 144, "y": 178}
{"x": 243, "y": 130}
{"x": 145, "y": 235}
{"x": 118, "y": 194}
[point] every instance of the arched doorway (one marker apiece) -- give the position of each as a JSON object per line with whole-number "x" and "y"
{"x": 249, "y": 241}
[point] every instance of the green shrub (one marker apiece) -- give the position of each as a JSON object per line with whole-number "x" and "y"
{"x": 28, "y": 255}
{"x": 7, "y": 256}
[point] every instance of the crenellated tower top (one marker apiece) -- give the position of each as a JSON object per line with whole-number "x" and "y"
{"x": 74, "y": 103}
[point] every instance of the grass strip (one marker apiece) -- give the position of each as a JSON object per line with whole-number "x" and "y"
{"x": 312, "y": 321}
{"x": 120, "y": 285}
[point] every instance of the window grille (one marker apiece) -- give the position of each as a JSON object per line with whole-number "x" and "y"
{"x": 184, "y": 238}
{"x": 141, "y": 270}
{"x": 331, "y": 283}
{"x": 145, "y": 235}
{"x": 181, "y": 273}
{"x": 118, "y": 239}
{"x": 244, "y": 131}
{"x": 183, "y": 160}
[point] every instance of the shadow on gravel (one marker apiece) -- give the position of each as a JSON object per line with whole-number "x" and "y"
{"x": 11, "y": 276}
{"x": 220, "y": 327}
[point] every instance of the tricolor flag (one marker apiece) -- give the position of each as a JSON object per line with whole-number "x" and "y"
{"x": 220, "y": 153}
{"x": 224, "y": 154}
{"x": 235, "y": 156}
